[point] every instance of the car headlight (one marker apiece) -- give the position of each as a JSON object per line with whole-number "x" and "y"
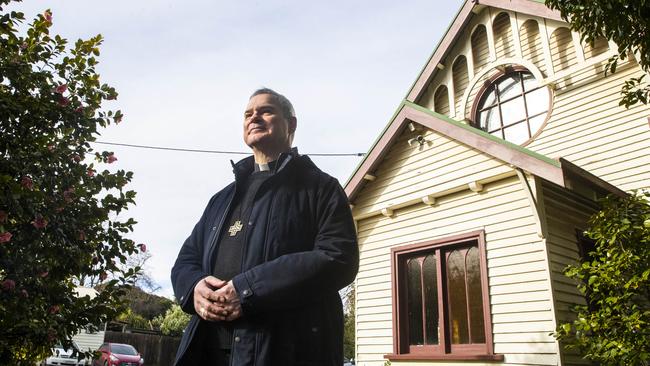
{"x": 114, "y": 359}
{"x": 141, "y": 360}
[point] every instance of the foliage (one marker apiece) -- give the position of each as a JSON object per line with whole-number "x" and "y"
{"x": 349, "y": 320}
{"x": 624, "y": 22}
{"x": 149, "y": 306}
{"x": 174, "y": 321}
{"x": 133, "y": 320}
{"x": 58, "y": 210}
{"x": 613, "y": 328}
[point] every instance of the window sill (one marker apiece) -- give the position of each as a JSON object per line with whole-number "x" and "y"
{"x": 433, "y": 357}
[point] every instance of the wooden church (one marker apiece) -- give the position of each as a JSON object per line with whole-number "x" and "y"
{"x": 473, "y": 199}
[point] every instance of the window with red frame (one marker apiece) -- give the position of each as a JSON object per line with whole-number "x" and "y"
{"x": 442, "y": 306}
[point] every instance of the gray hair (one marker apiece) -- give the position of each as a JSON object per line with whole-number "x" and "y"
{"x": 285, "y": 104}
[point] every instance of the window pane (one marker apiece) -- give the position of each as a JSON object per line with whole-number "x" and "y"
{"x": 489, "y": 119}
{"x": 517, "y": 133}
{"x": 536, "y": 123}
{"x": 475, "y": 294}
{"x": 414, "y": 299}
{"x": 529, "y": 81}
{"x": 537, "y": 101}
{"x": 490, "y": 98}
{"x": 509, "y": 87}
{"x": 431, "y": 299}
{"x": 457, "y": 298}
{"x": 513, "y": 111}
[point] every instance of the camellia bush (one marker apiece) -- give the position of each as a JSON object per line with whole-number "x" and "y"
{"x": 613, "y": 327}
{"x": 58, "y": 203}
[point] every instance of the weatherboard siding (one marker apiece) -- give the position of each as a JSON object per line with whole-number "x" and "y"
{"x": 519, "y": 290}
{"x": 567, "y": 214}
{"x": 590, "y": 129}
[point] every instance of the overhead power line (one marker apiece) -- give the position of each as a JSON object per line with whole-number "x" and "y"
{"x": 212, "y": 151}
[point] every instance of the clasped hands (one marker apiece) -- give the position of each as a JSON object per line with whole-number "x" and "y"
{"x": 216, "y": 300}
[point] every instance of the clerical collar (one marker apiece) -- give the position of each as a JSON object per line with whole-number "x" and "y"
{"x": 270, "y": 166}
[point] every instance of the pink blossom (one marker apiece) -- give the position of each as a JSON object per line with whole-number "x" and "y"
{"x": 63, "y": 101}
{"x": 54, "y": 309}
{"x": 111, "y": 158}
{"x": 50, "y": 147}
{"x": 5, "y": 237}
{"x": 27, "y": 182}
{"x": 51, "y": 335}
{"x": 90, "y": 172}
{"x": 68, "y": 195}
{"x": 8, "y": 285}
{"x": 79, "y": 109}
{"x": 76, "y": 157}
{"x": 24, "y": 294}
{"x": 61, "y": 88}
{"x": 143, "y": 247}
{"x": 39, "y": 222}
{"x": 3, "y": 216}
{"x": 44, "y": 274}
{"x": 48, "y": 16}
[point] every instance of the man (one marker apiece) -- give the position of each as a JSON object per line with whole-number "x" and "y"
{"x": 262, "y": 268}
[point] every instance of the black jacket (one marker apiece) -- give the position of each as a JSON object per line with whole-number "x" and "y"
{"x": 301, "y": 249}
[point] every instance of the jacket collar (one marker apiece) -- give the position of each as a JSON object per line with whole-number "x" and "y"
{"x": 245, "y": 167}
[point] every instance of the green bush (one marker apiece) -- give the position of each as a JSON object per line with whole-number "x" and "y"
{"x": 613, "y": 328}
{"x": 58, "y": 207}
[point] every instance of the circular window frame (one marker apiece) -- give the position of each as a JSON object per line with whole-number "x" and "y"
{"x": 502, "y": 72}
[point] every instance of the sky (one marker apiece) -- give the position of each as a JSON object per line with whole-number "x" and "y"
{"x": 184, "y": 71}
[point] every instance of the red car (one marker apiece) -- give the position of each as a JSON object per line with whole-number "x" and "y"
{"x": 118, "y": 354}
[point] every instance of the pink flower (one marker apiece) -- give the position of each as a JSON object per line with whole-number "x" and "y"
{"x": 44, "y": 274}
{"x": 3, "y": 216}
{"x": 39, "y": 222}
{"x": 54, "y": 309}
{"x": 5, "y": 237}
{"x": 27, "y": 182}
{"x": 50, "y": 147}
{"x": 24, "y": 294}
{"x": 51, "y": 335}
{"x": 8, "y": 285}
{"x": 61, "y": 88}
{"x": 111, "y": 158}
{"x": 143, "y": 247}
{"x": 79, "y": 109}
{"x": 63, "y": 101}
{"x": 68, "y": 194}
{"x": 48, "y": 16}
{"x": 76, "y": 157}
{"x": 90, "y": 172}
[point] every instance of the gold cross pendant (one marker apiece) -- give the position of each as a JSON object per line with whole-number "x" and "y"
{"x": 235, "y": 228}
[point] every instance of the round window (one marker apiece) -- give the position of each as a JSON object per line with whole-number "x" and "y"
{"x": 513, "y": 107}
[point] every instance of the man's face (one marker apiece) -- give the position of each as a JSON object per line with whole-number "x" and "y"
{"x": 266, "y": 128}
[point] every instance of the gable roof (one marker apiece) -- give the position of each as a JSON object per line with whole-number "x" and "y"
{"x": 559, "y": 171}
{"x": 530, "y": 7}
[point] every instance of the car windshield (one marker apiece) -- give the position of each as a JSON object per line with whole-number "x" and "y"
{"x": 123, "y": 349}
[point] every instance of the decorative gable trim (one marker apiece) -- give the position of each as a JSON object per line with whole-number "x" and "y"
{"x": 454, "y": 31}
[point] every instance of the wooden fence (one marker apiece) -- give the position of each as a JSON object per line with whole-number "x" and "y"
{"x": 157, "y": 350}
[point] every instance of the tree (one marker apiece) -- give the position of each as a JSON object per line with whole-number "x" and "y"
{"x": 627, "y": 23}
{"x": 612, "y": 328}
{"x": 145, "y": 304}
{"x": 173, "y": 322}
{"x": 58, "y": 209}
{"x": 349, "y": 320}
